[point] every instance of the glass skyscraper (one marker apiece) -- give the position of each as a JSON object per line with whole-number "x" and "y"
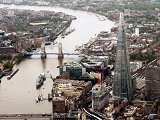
{"x": 123, "y": 85}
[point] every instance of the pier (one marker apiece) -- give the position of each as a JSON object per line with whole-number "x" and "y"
{"x": 26, "y": 116}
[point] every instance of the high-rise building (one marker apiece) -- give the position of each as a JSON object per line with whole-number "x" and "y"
{"x": 137, "y": 31}
{"x": 123, "y": 85}
{"x": 152, "y": 82}
{"x": 158, "y": 57}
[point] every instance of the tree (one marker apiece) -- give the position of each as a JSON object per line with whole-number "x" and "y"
{"x": 8, "y": 65}
{"x": 6, "y": 57}
{"x": 29, "y": 50}
{"x": 139, "y": 56}
{"x": 18, "y": 56}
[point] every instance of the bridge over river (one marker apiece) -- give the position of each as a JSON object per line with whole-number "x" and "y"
{"x": 61, "y": 51}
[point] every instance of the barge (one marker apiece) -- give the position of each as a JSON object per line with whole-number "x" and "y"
{"x": 12, "y": 74}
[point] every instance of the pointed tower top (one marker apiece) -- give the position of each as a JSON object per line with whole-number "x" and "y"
{"x": 121, "y": 19}
{"x": 121, "y": 31}
{"x": 121, "y": 15}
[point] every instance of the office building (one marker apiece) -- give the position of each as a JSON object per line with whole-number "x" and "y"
{"x": 123, "y": 85}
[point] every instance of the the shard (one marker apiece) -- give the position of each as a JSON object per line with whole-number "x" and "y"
{"x": 122, "y": 83}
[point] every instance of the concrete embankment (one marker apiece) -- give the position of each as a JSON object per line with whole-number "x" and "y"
{"x": 25, "y": 116}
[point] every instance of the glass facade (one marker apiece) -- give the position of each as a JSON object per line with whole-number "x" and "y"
{"x": 122, "y": 84}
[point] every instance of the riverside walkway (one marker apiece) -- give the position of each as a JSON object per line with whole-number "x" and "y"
{"x": 26, "y": 116}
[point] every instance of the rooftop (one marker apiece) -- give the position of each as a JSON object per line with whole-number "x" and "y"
{"x": 71, "y": 87}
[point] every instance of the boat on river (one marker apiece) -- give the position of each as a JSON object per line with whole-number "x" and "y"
{"x": 48, "y": 43}
{"x": 40, "y": 80}
{"x": 73, "y": 17}
{"x": 49, "y": 97}
{"x": 12, "y": 74}
{"x": 39, "y": 98}
{"x": 63, "y": 35}
{"x": 70, "y": 31}
{"x": 102, "y": 19}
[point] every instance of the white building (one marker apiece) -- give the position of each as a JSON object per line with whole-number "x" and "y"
{"x": 10, "y": 14}
{"x": 134, "y": 66}
{"x": 137, "y": 31}
{"x": 100, "y": 97}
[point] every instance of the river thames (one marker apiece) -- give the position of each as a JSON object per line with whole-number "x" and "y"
{"x": 18, "y": 94}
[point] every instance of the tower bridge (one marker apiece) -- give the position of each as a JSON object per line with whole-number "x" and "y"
{"x": 60, "y": 53}
{"x": 44, "y": 54}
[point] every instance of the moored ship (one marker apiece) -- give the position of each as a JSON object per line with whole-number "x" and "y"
{"x": 12, "y": 74}
{"x": 70, "y": 31}
{"x": 40, "y": 80}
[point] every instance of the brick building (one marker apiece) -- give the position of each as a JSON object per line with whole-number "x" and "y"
{"x": 5, "y": 50}
{"x": 58, "y": 104}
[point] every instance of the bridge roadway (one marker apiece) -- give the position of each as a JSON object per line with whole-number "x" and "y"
{"x": 26, "y": 116}
{"x": 30, "y": 53}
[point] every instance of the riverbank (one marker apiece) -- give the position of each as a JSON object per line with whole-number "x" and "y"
{"x": 32, "y": 24}
{"x": 8, "y": 71}
{"x": 110, "y": 9}
{"x": 63, "y": 6}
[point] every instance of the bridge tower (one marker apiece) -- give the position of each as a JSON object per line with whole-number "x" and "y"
{"x": 43, "y": 52}
{"x": 60, "y": 53}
